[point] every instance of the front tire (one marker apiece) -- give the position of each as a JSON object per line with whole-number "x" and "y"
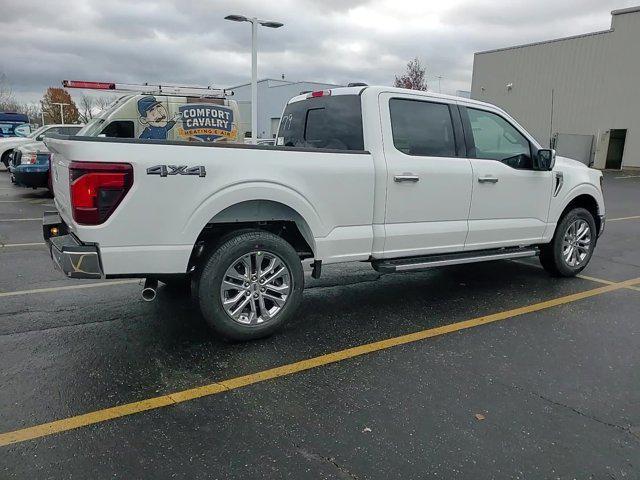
{"x": 5, "y": 158}
{"x": 572, "y": 245}
{"x": 250, "y": 285}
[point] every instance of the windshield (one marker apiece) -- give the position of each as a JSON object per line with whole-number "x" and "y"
{"x": 37, "y": 132}
{"x": 7, "y": 129}
{"x": 92, "y": 128}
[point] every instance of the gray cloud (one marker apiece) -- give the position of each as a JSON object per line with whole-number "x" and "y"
{"x": 337, "y": 41}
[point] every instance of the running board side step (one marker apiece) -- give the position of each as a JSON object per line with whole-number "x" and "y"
{"x": 422, "y": 263}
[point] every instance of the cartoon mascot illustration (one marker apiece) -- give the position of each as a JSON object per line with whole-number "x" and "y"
{"x": 154, "y": 115}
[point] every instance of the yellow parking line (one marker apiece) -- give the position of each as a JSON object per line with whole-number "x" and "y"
{"x": 119, "y": 411}
{"x": 20, "y": 219}
{"x": 67, "y": 287}
{"x": 608, "y": 282}
{"x": 635, "y": 217}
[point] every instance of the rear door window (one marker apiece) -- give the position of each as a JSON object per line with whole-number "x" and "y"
{"x": 327, "y": 122}
{"x": 422, "y": 128}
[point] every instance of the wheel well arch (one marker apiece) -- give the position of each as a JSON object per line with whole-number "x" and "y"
{"x": 589, "y": 203}
{"x": 268, "y": 215}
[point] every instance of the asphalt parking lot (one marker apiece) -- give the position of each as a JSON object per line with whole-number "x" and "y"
{"x": 486, "y": 371}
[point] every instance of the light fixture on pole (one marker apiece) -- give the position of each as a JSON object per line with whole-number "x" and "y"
{"x": 439, "y": 77}
{"x": 254, "y": 64}
{"x": 61, "y": 109}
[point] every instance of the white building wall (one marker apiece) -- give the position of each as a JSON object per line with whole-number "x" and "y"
{"x": 273, "y": 95}
{"x": 594, "y": 79}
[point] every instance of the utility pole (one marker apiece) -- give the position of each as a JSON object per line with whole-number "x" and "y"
{"x": 439, "y": 77}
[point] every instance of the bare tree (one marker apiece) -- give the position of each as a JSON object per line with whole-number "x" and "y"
{"x": 104, "y": 102}
{"x": 7, "y": 99}
{"x": 9, "y": 103}
{"x": 86, "y": 107}
{"x": 414, "y": 77}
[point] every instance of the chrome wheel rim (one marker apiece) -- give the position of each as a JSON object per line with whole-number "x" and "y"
{"x": 255, "y": 288}
{"x": 576, "y": 243}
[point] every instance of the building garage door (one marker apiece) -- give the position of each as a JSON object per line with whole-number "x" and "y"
{"x": 577, "y": 147}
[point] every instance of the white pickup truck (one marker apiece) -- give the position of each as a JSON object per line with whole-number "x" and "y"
{"x": 402, "y": 179}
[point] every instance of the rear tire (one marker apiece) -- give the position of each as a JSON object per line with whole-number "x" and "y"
{"x": 250, "y": 285}
{"x": 571, "y": 248}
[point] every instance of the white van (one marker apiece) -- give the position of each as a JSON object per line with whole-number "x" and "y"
{"x": 164, "y": 112}
{"x": 168, "y": 117}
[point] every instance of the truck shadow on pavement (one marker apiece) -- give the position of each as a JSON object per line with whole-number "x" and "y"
{"x": 346, "y": 309}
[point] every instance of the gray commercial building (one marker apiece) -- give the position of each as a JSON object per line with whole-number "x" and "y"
{"x": 579, "y": 94}
{"x": 273, "y": 95}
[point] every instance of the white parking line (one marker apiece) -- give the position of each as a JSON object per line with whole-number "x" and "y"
{"x": 20, "y": 219}
{"x": 2, "y": 245}
{"x": 629, "y": 176}
{"x": 635, "y": 217}
{"x": 68, "y": 287}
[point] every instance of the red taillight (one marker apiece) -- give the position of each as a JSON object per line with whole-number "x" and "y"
{"x": 97, "y": 189}
{"x": 319, "y": 93}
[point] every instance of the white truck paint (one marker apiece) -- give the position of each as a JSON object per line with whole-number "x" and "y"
{"x": 377, "y": 203}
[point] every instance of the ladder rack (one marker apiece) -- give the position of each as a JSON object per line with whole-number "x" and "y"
{"x": 149, "y": 88}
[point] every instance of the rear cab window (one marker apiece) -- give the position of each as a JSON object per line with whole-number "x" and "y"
{"x": 329, "y": 122}
{"x": 422, "y": 128}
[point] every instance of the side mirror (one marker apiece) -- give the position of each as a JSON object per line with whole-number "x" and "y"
{"x": 545, "y": 159}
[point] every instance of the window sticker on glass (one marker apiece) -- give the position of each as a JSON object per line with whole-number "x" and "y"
{"x": 280, "y": 141}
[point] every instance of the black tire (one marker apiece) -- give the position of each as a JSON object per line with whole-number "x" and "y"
{"x": 5, "y": 158}
{"x": 215, "y": 266}
{"x": 551, "y": 256}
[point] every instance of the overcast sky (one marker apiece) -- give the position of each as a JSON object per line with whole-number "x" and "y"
{"x": 336, "y": 41}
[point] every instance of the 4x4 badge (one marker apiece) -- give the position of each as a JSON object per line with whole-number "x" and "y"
{"x": 166, "y": 170}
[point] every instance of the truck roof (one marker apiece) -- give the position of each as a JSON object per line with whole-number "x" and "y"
{"x": 381, "y": 88}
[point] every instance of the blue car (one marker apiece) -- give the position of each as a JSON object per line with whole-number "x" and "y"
{"x": 30, "y": 163}
{"x": 10, "y": 121}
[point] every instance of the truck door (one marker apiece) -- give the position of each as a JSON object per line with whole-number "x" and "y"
{"x": 510, "y": 201}
{"x": 428, "y": 176}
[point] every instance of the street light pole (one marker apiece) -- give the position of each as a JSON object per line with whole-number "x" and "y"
{"x": 439, "y": 77}
{"x": 61, "y": 109}
{"x": 254, "y": 64}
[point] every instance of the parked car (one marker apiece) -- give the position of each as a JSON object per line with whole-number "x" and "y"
{"x": 8, "y": 144}
{"x": 13, "y": 124}
{"x": 30, "y": 163}
{"x": 402, "y": 179}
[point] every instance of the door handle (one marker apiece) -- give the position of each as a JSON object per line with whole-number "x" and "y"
{"x": 488, "y": 179}
{"x": 406, "y": 177}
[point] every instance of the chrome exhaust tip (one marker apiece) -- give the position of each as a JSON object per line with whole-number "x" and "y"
{"x": 149, "y": 290}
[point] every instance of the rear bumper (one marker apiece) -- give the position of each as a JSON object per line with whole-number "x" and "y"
{"x": 37, "y": 177}
{"x": 74, "y": 258}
